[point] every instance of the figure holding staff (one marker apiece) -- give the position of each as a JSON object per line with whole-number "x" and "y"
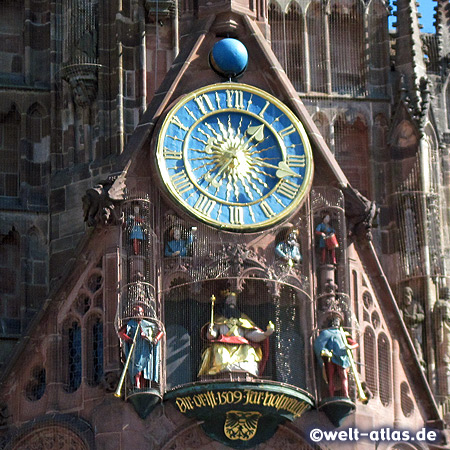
{"x": 143, "y": 350}
{"x": 234, "y": 342}
{"x": 333, "y": 348}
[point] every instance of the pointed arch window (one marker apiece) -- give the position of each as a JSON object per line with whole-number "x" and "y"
{"x": 323, "y": 125}
{"x": 378, "y": 36}
{"x": 315, "y": 22}
{"x": 370, "y": 360}
{"x": 72, "y": 355}
{"x": 9, "y": 154}
{"x": 384, "y": 369}
{"x": 95, "y": 350}
{"x": 352, "y": 149}
{"x": 347, "y": 47}
{"x": 287, "y": 34}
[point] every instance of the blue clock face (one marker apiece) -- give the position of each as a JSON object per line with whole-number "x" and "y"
{"x": 235, "y": 157}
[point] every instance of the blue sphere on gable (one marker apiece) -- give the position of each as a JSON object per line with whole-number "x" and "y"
{"x": 229, "y": 57}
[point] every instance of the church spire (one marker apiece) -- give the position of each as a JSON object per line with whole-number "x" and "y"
{"x": 409, "y": 54}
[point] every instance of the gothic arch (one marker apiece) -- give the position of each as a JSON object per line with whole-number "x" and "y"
{"x": 287, "y": 40}
{"x": 346, "y": 26}
{"x": 378, "y": 40}
{"x": 384, "y": 369}
{"x": 36, "y": 109}
{"x": 317, "y": 46}
{"x": 351, "y": 146}
{"x": 9, "y": 152}
{"x": 405, "y": 136}
{"x": 380, "y": 134}
{"x": 370, "y": 359}
{"x": 71, "y": 353}
{"x": 54, "y": 432}
{"x": 93, "y": 347}
{"x": 191, "y": 435}
{"x": 323, "y": 124}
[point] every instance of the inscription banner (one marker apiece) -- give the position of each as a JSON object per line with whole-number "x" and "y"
{"x": 238, "y": 414}
{"x": 211, "y": 400}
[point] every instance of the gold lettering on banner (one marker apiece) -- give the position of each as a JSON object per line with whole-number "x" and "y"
{"x": 244, "y": 397}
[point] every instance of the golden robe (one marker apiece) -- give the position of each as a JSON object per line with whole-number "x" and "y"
{"x": 232, "y": 350}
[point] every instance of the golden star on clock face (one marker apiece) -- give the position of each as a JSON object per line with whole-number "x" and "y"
{"x": 235, "y": 157}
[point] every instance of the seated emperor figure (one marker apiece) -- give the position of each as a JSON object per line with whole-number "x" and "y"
{"x": 234, "y": 342}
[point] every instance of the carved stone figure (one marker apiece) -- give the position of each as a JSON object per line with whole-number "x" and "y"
{"x": 234, "y": 342}
{"x": 413, "y": 317}
{"x": 360, "y": 213}
{"x": 441, "y": 313}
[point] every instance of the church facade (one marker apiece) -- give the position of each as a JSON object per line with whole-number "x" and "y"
{"x": 224, "y": 224}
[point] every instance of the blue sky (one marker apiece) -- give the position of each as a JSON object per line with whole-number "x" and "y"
{"x": 426, "y": 8}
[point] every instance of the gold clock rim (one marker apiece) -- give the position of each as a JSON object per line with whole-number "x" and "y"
{"x": 164, "y": 175}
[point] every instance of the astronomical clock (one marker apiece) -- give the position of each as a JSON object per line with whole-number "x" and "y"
{"x": 234, "y": 157}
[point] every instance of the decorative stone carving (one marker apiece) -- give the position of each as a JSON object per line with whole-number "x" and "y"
{"x": 413, "y": 316}
{"x": 161, "y": 9}
{"x": 50, "y": 438}
{"x": 441, "y": 313}
{"x": 100, "y": 202}
{"x": 360, "y": 213}
{"x": 110, "y": 381}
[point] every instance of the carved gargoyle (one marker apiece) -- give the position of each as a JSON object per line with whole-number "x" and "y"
{"x": 360, "y": 213}
{"x": 100, "y": 203}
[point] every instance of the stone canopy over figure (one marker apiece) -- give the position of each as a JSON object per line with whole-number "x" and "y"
{"x": 177, "y": 245}
{"x": 234, "y": 342}
{"x": 413, "y": 317}
{"x": 144, "y": 362}
{"x": 331, "y": 352}
{"x": 327, "y": 240}
{"x": 288, "y": 249}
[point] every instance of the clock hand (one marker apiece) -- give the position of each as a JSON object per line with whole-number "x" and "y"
{"x": 213, "y": 181}
{"x": 283, "y": 170}
{"x": 256, "y": 132}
